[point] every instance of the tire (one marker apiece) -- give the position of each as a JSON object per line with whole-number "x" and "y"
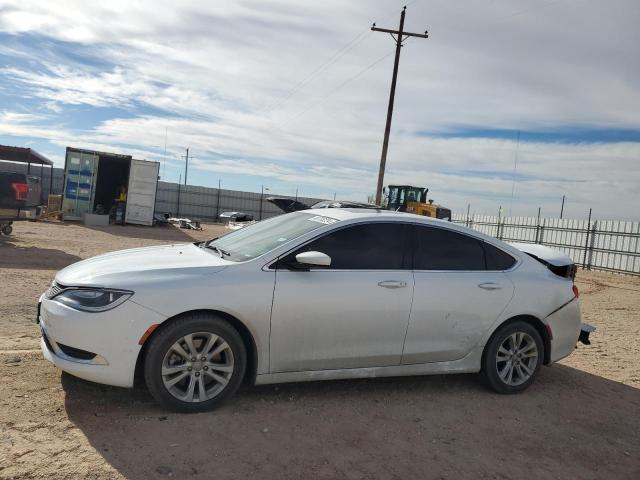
{"x": 179, "y": 383}
{"x": 509, "y": 370}
{"x": 7, "y": 229}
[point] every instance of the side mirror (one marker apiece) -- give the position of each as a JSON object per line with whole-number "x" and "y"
{"x": 315, "y": 259}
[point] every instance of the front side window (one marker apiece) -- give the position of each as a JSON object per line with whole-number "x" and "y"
{"x": 262, "y": 237}
{"x": 370, "y": 246}
{"x": 441, "y": 249}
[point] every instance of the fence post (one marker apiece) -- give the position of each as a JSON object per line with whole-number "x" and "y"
{"x": 586, "y": 243}
{"x": 178, "y": 207}
{"x": 592, "y": 243}
{"x": 541, "y": 238}
{"x": 218, "y": 203}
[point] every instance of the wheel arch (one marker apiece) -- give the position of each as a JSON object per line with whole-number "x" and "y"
{"x": 241, "y": 328}
{"x": 535, "y": 322}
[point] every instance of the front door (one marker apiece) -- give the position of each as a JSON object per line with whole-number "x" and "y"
{"x": 352, "y": 314}
{"x": 460, "y": 290}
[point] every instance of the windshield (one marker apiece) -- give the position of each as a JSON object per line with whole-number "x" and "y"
{"x": 262, "y": 237}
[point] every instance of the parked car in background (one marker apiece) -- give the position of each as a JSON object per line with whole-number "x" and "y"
{"x": 20, "y": 197}
{"x": 312, "y": 295}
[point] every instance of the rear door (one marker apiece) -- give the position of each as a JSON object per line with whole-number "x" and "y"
{"x": 460, "y": 290}
{"x": 352, "y": 314}
{"x": 141, "y": 194}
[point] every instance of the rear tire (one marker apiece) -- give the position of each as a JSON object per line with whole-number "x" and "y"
{"x": 7, "y": 229}
{"x": 194, "y": 363}
{"x": 512, "y": 358}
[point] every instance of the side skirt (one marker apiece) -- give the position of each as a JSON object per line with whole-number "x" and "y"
{"x": 468, "y": 364}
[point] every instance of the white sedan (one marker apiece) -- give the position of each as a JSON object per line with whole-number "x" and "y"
{"x": 312, "y": 296}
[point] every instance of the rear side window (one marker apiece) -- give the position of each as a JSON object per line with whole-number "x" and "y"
{"x": 371, "y": 246}
{"x": 497, "y": 259}
{"x": 440, "y": 249}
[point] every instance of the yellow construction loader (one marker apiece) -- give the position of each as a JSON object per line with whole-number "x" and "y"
{"x": 406, "y": 198}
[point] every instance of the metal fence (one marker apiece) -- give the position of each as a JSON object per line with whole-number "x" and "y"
{"x": 38, "y": 171}
{"x": 609, "y": 245}
{"x": 206, "y": 203}
{"x": 201, "y": 203}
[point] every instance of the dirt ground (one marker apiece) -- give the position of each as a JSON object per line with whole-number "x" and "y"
{"x": 581, "y": 419}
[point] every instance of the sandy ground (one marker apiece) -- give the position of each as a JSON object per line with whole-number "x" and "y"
{"x": 581, "y": 419}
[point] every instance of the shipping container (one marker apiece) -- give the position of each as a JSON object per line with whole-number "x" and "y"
{"x": 94, "y": 181}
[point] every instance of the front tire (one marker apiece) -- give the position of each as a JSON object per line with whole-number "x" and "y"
{"x": 194, "y": 363}
{"x": 512, "y": 358}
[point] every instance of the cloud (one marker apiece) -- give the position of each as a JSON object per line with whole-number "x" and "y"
{"x": 237, "y": 82}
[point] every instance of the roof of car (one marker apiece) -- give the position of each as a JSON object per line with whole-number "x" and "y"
{"x": 362, "y": 213}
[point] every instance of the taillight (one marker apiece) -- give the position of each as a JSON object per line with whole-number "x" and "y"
{"x": 21, "y": 189}
{"x": 576, "y": 293}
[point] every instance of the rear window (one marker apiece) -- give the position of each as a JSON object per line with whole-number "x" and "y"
{"x": 497, "y": 259}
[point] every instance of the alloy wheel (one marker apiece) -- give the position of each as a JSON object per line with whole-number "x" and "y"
{"x": 516, "y": 358}
{"x": 197, "y": 367}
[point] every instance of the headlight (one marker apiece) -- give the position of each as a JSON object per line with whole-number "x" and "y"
{"x": 92, "y": 299}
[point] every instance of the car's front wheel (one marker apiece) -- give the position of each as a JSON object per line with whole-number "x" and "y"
{"x": 195, "y": 362}
{"x": 513, "y": 357}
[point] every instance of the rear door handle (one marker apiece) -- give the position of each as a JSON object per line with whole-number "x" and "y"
{"x": 490, "y": 286}
{"x": 392, "y": 284}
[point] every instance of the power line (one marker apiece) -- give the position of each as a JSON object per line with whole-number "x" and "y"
{"x": 332, "y": 60}
{"x": 337, "y": 55}
{"x": 335, "y": 89}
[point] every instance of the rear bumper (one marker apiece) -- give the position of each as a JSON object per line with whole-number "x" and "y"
{"x": 565, "y": 327}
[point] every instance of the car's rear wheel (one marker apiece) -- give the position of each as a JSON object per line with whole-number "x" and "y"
{"x": 194, "y": 363}
{"x": 513, "y": 357}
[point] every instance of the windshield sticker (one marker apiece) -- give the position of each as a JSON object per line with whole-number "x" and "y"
{"x": 323, "y": 220}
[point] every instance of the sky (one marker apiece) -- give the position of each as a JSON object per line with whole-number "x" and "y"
{"x": 508, "y": 104}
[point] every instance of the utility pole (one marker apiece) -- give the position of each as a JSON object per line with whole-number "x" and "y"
{"x": 400, "y": 34}
{"x": 562, "y": 207}
{"x": 186, "y": 166}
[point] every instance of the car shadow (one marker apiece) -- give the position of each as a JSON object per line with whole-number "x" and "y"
{"x": 15, "y": 255}
{"x": 569, "y": 424}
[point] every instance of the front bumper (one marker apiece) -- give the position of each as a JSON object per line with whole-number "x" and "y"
{"x": 112, "y": 335}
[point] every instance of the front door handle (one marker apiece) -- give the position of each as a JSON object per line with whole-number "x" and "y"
{"x": 392, "y": 284}
{"x": 490, "y": 286}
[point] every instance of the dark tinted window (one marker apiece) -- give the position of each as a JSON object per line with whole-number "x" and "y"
{"x": 497, "y": 259}
{"x": 440, "y": 249}
{"x": 372, "y": 246}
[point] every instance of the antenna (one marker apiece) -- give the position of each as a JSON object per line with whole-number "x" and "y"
{"x": 515, "y": 167}
{"x": 164, "y": 158}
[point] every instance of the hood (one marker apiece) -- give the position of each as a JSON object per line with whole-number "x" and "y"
{"x": 549, "y": 255}
{"x": 124, "y": 267}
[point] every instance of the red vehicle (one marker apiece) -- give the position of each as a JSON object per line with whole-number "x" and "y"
{"x": 20, "y": 197}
